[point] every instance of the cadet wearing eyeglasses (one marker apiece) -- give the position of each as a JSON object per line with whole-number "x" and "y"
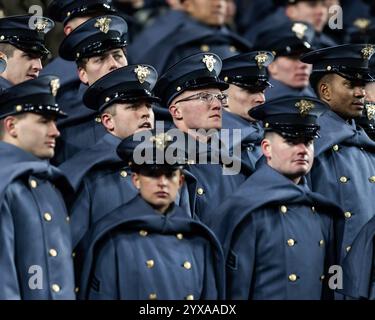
{"x": 192, "y": 91}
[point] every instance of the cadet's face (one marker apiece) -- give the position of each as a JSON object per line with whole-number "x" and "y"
{"x": 129, "y": 119}
{"x": 211, "y": 12}
{"x": 313, "y": 12}
{"x": 197, "y": 114}
{"x": 159, "y": 189}
{"x": 36, "y": 134}
{"x": 346, "y": 97}
{"x": 290, "y": 71}
{"x": 292, "y": 158}
{"x": 240, "y": 100}
{"x": 98, "y": 66}
{"x": 370, "y": 91}
{"x": 22, "y": 66}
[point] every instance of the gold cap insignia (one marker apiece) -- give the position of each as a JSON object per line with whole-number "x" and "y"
{"x": 161, "y": 140}
{"x": 304, "y": 107}
{"x": 370, "y": 111}
{"x": 367, "y": 52}
{"x": 142, "y": 73}
{"x": 261, "y": 58}
{"x": 41, "y": 24}
{"x": 299, "y": 29}
{"x": 362, "y": 23}
{"x": 55, "y": 85}
{"x": 209, "y": 61}
{"x": 103, "y": 24}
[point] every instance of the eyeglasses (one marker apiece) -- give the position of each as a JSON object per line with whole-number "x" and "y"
{"x": 207, "y": 97}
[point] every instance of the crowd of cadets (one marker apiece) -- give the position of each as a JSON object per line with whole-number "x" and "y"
{"x": 81, "y": 218}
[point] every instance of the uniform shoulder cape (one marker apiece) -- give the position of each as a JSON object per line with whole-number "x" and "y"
{"x": 277, "y": 17}
{"x": 103, "y": 152}
{"x": 140, "y": 215}
{"x": 71, "y": 90}
{"x": 64, "y": 69}
{"x": 71, "y": 101}
{"x": 16, "y": 163}
{"x": 280, "y": 90}
{"x": 358, "y": 264}
{"x": 321, "y": 40}
{"x": 4, "y": 84}
{"x": 269, "y": 188}
{"x": 198, "y": 150}
{"x": 172, "y": 18}
{"x": 168, "y": 38}
{"x": 250, "y": 132}
{"x": 335, "y": 130}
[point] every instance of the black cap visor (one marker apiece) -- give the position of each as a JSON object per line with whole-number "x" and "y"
{"x": 294, "y": 131}
{"x": 130, "y": 96}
